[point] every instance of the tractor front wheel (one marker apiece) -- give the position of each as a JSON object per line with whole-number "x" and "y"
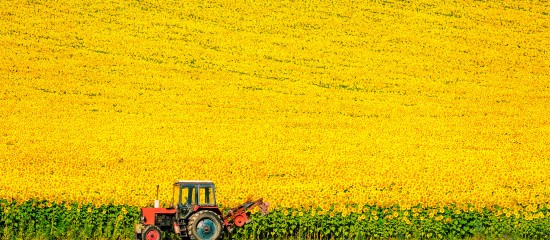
{"x": 204, "y": 225}
{"x": 151, "y": 233}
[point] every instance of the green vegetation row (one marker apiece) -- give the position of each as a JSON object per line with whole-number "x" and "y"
{"x": 39, "y": 219}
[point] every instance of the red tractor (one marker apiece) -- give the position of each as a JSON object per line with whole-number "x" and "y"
{"x": 194, "y": 214}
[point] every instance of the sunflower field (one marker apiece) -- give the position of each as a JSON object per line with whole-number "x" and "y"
{"x": 354, "y": 119}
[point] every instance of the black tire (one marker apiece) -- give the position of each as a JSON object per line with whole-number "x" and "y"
{"x": 151, "y": 232}
{"x": 205, "y": 225}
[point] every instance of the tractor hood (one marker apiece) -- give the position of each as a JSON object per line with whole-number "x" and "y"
{"x": 148, "y": 215}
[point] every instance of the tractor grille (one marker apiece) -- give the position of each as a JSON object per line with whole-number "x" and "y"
{"x": 163, "y": 220}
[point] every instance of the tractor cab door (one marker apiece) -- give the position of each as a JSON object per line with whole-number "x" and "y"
{"x": 187, "y": 201}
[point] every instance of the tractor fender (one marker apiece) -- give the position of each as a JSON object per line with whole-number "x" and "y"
{"x": 214, "y": 209}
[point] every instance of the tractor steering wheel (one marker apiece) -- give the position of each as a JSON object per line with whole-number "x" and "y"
{"x": 184, "y": 210}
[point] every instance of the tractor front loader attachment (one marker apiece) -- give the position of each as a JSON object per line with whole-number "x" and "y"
{"x": 239, "y": 216}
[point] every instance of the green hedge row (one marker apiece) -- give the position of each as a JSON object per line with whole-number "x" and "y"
{"x": 446, "y": 225}
{"x": 39, "y": 219}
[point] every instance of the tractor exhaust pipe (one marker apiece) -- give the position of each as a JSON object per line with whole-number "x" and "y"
{"x": 157, "y": 202}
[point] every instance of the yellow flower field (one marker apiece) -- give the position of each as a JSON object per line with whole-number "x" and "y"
{"x": 303, "y": 103}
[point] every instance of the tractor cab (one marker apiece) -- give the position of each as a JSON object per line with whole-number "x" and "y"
{"x": 189, "y": 195}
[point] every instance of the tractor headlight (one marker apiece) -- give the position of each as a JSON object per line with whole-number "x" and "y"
{"x": 142, "y": 219}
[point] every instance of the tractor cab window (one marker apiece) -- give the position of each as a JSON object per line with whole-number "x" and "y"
{"x": 188, "y": 195}
{"x": 176, "y": 195}
{"x": 206, "y": 196}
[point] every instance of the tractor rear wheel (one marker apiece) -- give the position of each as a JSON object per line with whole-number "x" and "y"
{"x": 151, "y": 232}
{"x": 205, "y": 225}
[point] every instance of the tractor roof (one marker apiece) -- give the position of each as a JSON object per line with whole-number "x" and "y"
{"x": 194, "y": 182}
